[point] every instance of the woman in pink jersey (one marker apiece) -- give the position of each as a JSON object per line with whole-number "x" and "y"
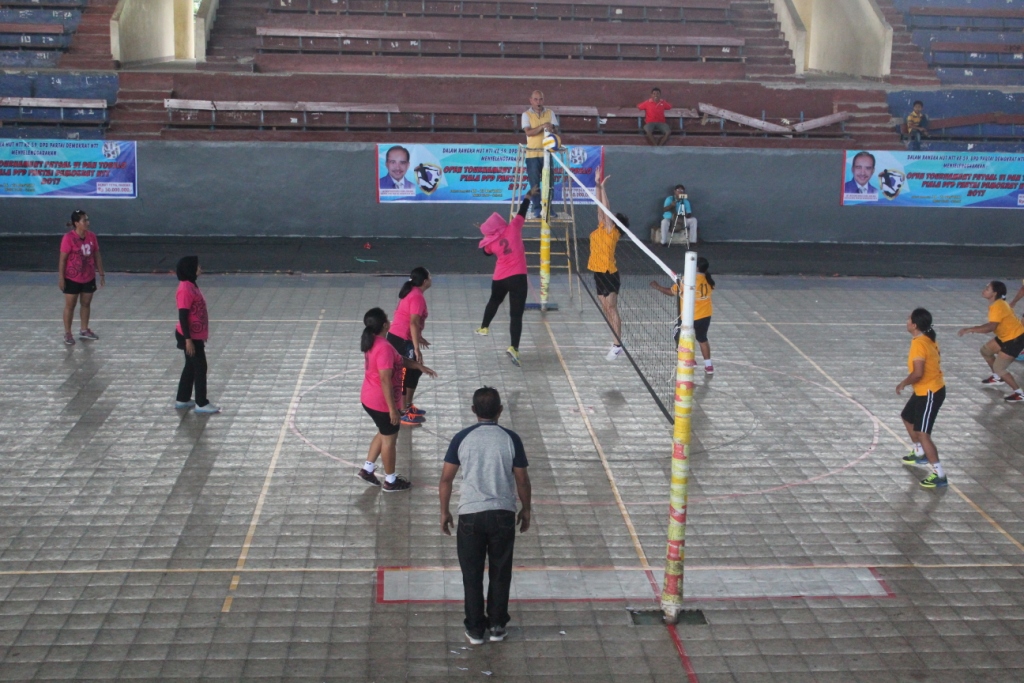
{"x": 406, "y": 335}
{"x": 192, "y": 332}
{"x": 505, "y": 240}
{"x": 79, "y": 263}
{"x": 381, "y": 394}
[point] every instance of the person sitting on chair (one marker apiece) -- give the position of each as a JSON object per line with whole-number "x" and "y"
{"x": 677, "y": 204}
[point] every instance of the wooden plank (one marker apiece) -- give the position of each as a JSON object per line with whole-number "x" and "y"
{"x": 399, "y": 34}
{"x": 34, "y": 29}
{"x": 742, "y": 119}
{"x": 990, "y": 48}
{"x": 820, "y": 122}
{"x": 969, "y": 13}
{"x": 52, "y": 103}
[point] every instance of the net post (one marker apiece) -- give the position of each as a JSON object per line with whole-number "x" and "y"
{"x": 545, "y": 232}
{"x": 672, "y": 592}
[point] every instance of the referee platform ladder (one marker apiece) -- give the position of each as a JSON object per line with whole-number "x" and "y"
{"x": 561, "y": 222}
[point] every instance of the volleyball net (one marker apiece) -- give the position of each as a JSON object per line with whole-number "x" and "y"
{"x": 649, "y": 317}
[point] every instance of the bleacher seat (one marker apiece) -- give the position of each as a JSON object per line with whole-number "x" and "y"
{"x": 963, "y": 119}
{"x": 678, "y": 11}
{"x": 33, "y": 103}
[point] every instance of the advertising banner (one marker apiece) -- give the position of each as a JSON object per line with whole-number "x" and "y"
{"x": 99, "y": 169}
{"x": 480, "y": 174}
{"x": 934, "y": 179}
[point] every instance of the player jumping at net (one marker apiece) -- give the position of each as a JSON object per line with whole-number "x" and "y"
{"x": 702, "y": 309}
{"x": 406, "y": 335}
{"x": 603, "y": 242}
{"x": 923, "y": 364}
{"x": 1008, "y": 343}
{"x": 505, "y": 240}
{"x": 380, "y": 395}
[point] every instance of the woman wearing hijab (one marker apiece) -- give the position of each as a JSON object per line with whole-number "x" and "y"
{"x": 192, "y": 332}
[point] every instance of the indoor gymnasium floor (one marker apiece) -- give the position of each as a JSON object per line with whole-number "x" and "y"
{"x": 141, "y": 543}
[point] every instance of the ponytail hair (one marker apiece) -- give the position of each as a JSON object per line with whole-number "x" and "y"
{"x": 375, "y": 319}
{"x": 922, "y": 320}
{"x": 999, "y": 288}
{"x": 76, "y": 216}
{"x": 417, "y": 277}
{"x": 702, "y": 267}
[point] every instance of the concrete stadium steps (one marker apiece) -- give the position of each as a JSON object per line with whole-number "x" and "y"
{"x": 871, "y": 124}
{"x": 768, "y": 55}
{"x": 90, "y": 46}
{"x": 909, "y": 66}
{"x": 233, "y": 43}
{"x": 139, "y": 113}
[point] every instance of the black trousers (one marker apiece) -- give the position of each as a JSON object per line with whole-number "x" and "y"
{"x": 490, "y": 536}
{"x": 410, "y": 376}
{"x": 515, "y": 287}
{"x": 194, "y": 373}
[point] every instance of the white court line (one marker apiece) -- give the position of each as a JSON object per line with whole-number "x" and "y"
{"x": 292, "y": 405}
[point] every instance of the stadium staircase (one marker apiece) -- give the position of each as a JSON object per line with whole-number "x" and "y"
{"x": 233, "y": 43}
{"x": 90, "y": 46}
{"x": 909, "y": 67}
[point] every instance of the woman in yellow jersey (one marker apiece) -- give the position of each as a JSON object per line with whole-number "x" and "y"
{"x": 603, "y": 242}
{"x": 929, "y": 386}
{"x": 1008, "y": 343}
{"x": 702, "y": 310}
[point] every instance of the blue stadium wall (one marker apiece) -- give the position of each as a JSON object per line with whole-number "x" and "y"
{"x": 324, "y": 189}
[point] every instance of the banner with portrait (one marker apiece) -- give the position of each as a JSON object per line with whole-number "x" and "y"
{"x": 934, "y": 179}
{"x": 98, "y": 169}
{"x": 480, "y": 174}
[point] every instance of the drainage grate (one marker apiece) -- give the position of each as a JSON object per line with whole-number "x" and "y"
{"x": 655, "y": 617}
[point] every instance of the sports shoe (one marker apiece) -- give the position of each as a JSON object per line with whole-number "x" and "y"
{"x": 934, "y": 481}
{"x": 912, "y": 459}
{"x": 613, "y": 352}
{"x": 400, "y": 484}
{"x": 709, "y": 369}
{"x": 69, "y": 339}
{"x": 183, "y": 405}
{"x": 413, "y": 410}
{"x": 992, "y": 381}
{"x": 483, "y": 331}
{"x": 1015, "y": 397}
{"x": 513, "y": 355}
{"x": 475, "y": 639}
{"x": 412, "y": 420}
{"x": 497, "y": 634}
{"x": 208, "y": 409}
{"x": 368, "y": 477}
{"x": 87, "y": 334}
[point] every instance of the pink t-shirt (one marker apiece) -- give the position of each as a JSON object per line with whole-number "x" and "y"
{"x": 510, "y": 251}
{"x": 81, "y": 264}
{"x": 381, "y": 356}
{"x": 191, "y": 298}
{"x": 414, "y": 303}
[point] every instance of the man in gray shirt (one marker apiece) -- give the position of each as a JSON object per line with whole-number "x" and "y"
{"x": 494, "y": 471}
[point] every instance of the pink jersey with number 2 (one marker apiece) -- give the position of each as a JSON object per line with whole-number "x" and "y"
{"x": 81, "y": 263}
{"x": 510, "y": 251}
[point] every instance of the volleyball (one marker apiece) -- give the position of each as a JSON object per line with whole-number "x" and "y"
{"x": 552, "y": 141}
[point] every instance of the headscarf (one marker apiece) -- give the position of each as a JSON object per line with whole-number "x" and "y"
{"x": 492, "y": 228}
{"x": 188, "y": 269}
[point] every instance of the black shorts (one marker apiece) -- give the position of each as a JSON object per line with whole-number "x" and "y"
{"x": 1013, "y": 347}
{"x": 700, "y": 329}
{"x": 607, "y": 283}
{"x": 383, "y": 421}
{"x": 920, "y": 411}
{"x": 72, "y": 287}
{"x": 405, "y": 347}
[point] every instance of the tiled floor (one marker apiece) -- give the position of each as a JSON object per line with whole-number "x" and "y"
{"x": 140, "y": 543}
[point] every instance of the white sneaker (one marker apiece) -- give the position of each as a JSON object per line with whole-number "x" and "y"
{"x": 208, "y": 409}
{"x": 614, "y": 352}
{"x": 183, "y": 405}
